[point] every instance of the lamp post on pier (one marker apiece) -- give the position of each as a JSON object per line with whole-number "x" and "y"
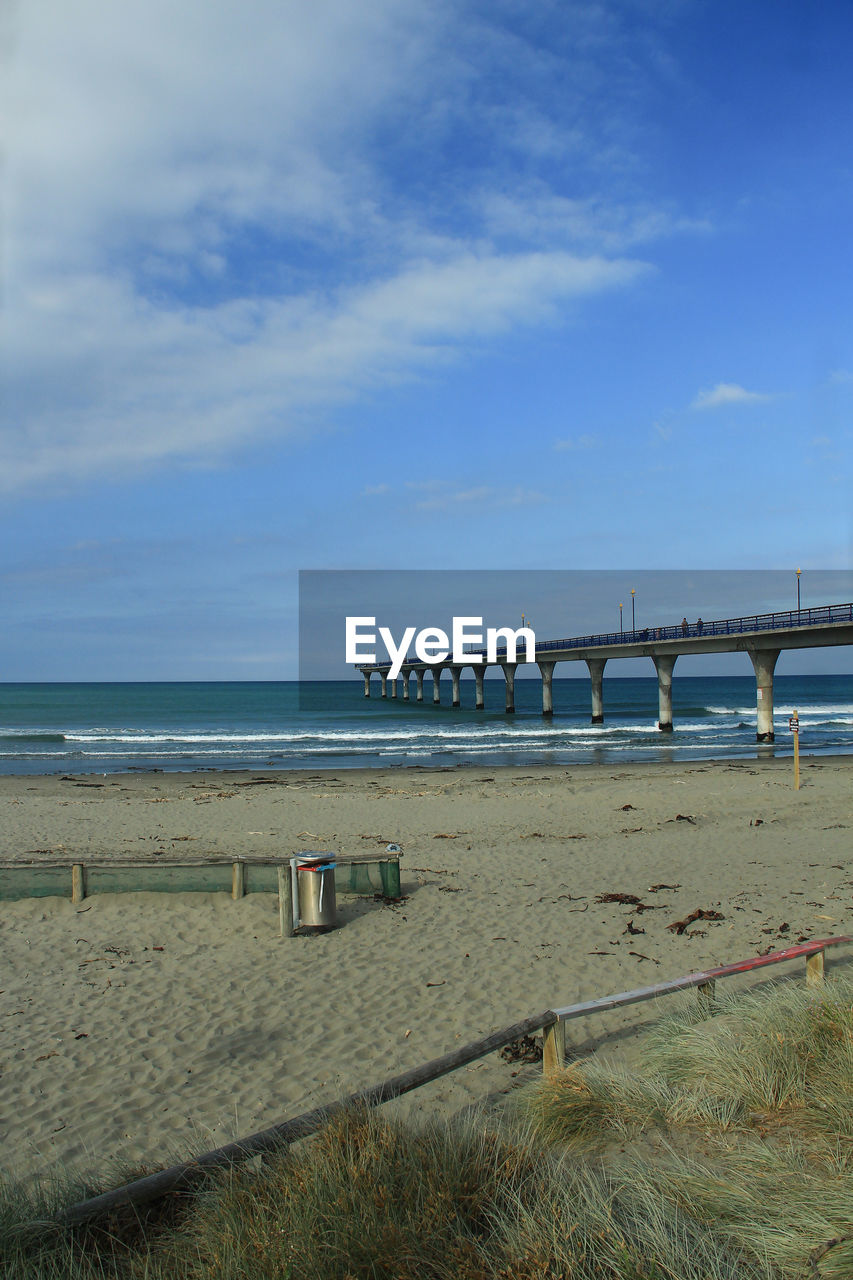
{"x": 620, "y": 618}
{"x": 633, "y": 623}
{"x": 798, "y": 572}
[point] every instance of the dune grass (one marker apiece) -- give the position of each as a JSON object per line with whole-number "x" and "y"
{"x": 743, "y": 1121}
{"x": 372, "y": 1199}
{"x": 727, "y": 1155}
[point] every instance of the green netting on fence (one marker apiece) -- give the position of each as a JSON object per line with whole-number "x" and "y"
{"x": 198, "y": 878}
{"x": 364, "y": 878}
{"x": 368, "y": 878}
{"x": 35, "y": 882}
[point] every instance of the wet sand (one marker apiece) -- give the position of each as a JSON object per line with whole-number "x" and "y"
{"x": 143, "y": 1026}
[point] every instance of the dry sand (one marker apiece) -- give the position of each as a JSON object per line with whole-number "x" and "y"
{"x": 144, "y": 1026}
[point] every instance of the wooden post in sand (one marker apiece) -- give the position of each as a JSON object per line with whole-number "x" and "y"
{"x": 78, "y": 882}
{"x": 238, "y": 880}
{"x": 705, "y": 991}
{"x": 285, "y": 902}
{"x": 554, "y": 1048}
{"x": 794, "y": 725}
{"x": 814, "y": 969}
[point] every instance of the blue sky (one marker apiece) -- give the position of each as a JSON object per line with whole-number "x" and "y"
{"x": 433, "y": 284}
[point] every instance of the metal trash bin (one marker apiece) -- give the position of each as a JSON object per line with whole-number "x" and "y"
{"x": 315, "y": 905}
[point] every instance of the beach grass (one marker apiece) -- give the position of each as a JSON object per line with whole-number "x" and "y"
{"x": 725, "y": 1154}
{"x": 742, "y": 1121}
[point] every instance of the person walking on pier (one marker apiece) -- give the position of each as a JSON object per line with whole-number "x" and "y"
{"x": 684, "y": 626}
{"x": 699, "y": 625}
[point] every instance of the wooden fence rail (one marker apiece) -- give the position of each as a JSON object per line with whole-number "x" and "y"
{"x": 181, "y": 1177}
{"x": 362, "y": 875}
{"x": 704, "y": 980}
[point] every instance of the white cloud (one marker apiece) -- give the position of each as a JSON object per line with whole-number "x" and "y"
{"x": 479, "y": 496}
{"x": 576, "y": 443}
{"x": 132, "y": 383}
{"x": 207, "y": 244}
{"x": 164, "y": 123}
{"x": 728, "y": 393}
{"x": 535, "y": 212}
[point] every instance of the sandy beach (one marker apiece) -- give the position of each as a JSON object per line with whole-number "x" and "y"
{"x": 143, "y": 1026}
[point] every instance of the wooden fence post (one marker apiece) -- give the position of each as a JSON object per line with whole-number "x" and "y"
{"x": 285, "y": 902}
{"x": 554, "y": 1048}
{"x": 238, "y": 880}
{"x": 78, "y": 882}
{"x": 814, "y": 969}
{"x": 705, "y": 991}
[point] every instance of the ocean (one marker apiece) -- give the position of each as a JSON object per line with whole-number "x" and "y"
{"x": 108, "y": 728}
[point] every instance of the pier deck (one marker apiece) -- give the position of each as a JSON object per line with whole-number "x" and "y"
{"x": 763, "y": 636}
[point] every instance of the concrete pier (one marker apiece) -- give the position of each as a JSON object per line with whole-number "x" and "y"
{"x": 762, "y": 636}
{"x": 596, "y": 677}
{"x": 664, "y": 662}
{"x": 547, "y": 672}
{"x": 509, "y": 676}
{"x": 764, "y": 664}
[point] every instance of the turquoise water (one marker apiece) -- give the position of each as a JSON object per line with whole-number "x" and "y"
{"x": 49, "y": 728}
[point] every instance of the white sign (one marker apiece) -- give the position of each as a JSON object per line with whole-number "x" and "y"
{"x": 433, "y": 645}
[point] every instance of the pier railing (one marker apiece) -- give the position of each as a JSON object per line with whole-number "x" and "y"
{"x": 181, "y": 1177}
{"x": 786, "y": 619}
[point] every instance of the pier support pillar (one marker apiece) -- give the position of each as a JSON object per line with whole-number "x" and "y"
{"x": 366, "y": 675}
{"x": 394, "y": 688}
{"x": 419, "y": 677}
{"x": 547, "y": 670}
{"x": 436, "y": 687}
{"x": 405, "y": 673}
{"x": 455, "y": 673}
{"x": 764, "y": 663}
{"x": 664, "y": 663}
{"x": 383, "y": 676}
{"x": 596, "y": 677}
{"x": 509, "y": 676}
{"x": 480, "y": 699}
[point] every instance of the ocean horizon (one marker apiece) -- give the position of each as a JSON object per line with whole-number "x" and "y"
{"x": 83, "y": 727}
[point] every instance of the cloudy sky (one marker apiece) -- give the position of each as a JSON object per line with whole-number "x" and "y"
{"x": 409, "y": 283}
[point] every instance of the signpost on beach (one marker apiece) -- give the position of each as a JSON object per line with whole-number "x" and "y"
{"x": 794, "y": 726}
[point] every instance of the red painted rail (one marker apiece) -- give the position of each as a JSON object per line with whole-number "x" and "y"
{"x": 696, "y": 979}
